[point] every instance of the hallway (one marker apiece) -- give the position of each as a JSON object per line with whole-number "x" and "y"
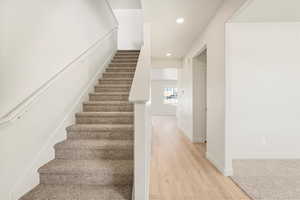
{"x": 179, "y": 170}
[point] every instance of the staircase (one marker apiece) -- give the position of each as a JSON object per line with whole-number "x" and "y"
{"x": 96, "y": 160}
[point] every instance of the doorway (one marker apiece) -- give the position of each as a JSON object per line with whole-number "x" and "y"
{"x": 200, "y": 98}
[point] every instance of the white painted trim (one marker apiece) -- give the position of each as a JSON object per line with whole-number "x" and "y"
{"x": 112, "y": 12}
{"x": 142, "y": 150}
{"x": 218, "y": 165}
{"x": 141, "y": 85}
{"x": 140, "y": 95}
{"x": 239, "y": 10}
{"x": 70, "y": 115}
{"x": 18, "y": 111}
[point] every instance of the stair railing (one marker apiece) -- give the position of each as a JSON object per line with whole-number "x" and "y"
{"x": 140, "y": 96}
{"x": 22, "y": 108}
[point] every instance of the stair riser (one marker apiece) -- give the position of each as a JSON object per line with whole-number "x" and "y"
{"x": 120, "y": 69}
{"x": 128, "y": 50}
{"x": 92, "y": 154}
{"x": 108, "y": 89}
{"x": 109, "y": 97}
{"x": 111, "y": 85}
{"x": 124, "y": 61}
{"x": 104, "y": 178}
{"x": 129, "y": 57}
{"x": 128, "y": 53}
{"x": 123, "y": 65}
{"x": 115, "y": 82}
{"x": 115, "y": 75}
{"x": 109, "y": 135}
{"x": 134, "y": 56}
{"x": 107, "y": 108}
{"x": 104, "y": 120}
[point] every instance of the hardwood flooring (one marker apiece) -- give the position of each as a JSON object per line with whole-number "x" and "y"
{"x": 180, "y": 171}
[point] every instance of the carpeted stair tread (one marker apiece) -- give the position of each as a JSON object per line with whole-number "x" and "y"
{"x": 119, "y": 82}
{"x": 101, "y": 131}
{"x": 129, "y": 50}
{"x": 131, "y": 62}
{"x": 118, "y": 72}
{"x": 104, "y": 114}
{"x": 113, "y": 85}
{"x": 118, "y": 79}
{"x": 112, "y": 88}
{"x": 105, "y": 117}
{"x": 109, "y": 93}
{"x": 95, "y": 144}
{"x": 112, "y": 64}
{"x": 121, "y": 69}
{"x": 109, "y": 96}
{"x": 100, "y": 127}
{"x": 107, "y": 103}
{"x": 127, "y": 57}
{"x": 124, "y": 61}
{"x": 59, "y": 166}
{"x": 95, "y": 162}
{"x": 127, "y": 67}
{"x": 127, "y": 54}
{"x": 79, "y": 192}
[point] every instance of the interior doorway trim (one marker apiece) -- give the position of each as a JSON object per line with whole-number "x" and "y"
{"x": 199, "y": 82}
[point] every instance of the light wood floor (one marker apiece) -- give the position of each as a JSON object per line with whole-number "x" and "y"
{"x": 179, "y": 170}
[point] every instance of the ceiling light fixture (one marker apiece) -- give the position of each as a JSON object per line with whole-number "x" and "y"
{"x": 180, "y": 20}
{"x": 168, "y": 54}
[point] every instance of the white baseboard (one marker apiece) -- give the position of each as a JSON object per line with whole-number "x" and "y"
{"x": 31, "y": 177}
{"x": 219, "y": 166}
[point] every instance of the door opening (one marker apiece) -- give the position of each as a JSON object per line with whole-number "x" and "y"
{"x": 199, "y": 98}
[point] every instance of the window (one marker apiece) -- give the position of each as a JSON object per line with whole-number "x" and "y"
{"x": 170, "y": 96}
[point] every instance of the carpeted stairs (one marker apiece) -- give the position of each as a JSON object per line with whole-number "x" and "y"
{"x": 96, "y": 160}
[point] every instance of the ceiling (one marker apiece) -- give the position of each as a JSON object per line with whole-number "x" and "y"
{"x": 167, "y": 35}
{"x": 125, "y": 4}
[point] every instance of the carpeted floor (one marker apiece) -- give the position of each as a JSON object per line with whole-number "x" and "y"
{"x": 268, "y": 179}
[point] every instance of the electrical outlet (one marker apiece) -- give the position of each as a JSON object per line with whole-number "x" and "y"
{"x": 264, "y": 140}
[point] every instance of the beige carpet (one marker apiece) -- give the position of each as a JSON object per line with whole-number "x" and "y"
{"x": 268, "y": 179}
{"x": 96, "y": 160}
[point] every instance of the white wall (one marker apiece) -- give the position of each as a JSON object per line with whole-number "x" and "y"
{"x": 158, "y": 107}
{"x": 269, "y": 11}
{"x": 214, "y": 39}
{"x": 130, "y": 28}
{"x": 158, "y": 74}
{"x": 38, "y": 39}
{"x": 166, "y": 62}
{"x": 125, "y": 4}
{"x": 263, "y": 90}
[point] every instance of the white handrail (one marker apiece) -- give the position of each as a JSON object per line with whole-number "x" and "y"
{"x": 112, "y": 12}
{"x": 140, "y": 89}
{"x": 19, "y": 110}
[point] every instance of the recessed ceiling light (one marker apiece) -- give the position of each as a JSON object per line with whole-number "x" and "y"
{"x": 168, "y": 54}
{"x": 180, "y": 20}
